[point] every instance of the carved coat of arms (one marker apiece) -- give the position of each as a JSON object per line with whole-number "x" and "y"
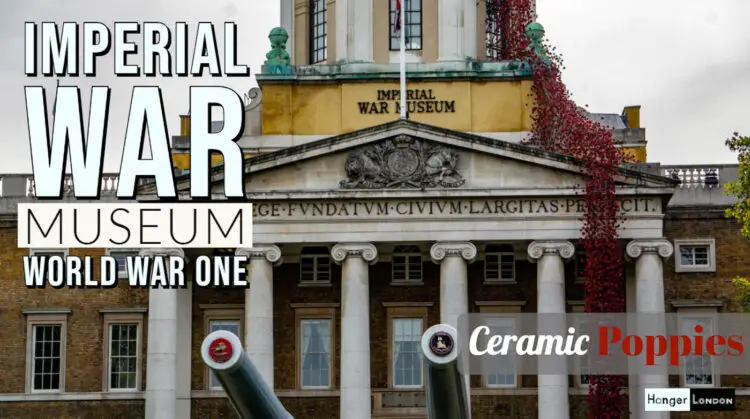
{"x": 402, "y": 162}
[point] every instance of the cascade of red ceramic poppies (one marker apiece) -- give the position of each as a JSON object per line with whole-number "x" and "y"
{"x": 560, "y": 126}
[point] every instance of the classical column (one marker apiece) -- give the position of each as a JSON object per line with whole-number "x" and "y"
{"x": 470, "y": 29}
{"x": 342, "y": 31}
{"x": 649, "y": 299}
{"x": 259, "y": 306}
{"x": 451, "y": 30}
{"x": 454, "y": 295}
{"x": 355, "y": 259}
{"x": 354, "y": 31}
{"x": 287, "y": 22}
{"x": 453, "y": 258}
{"x": 161, "y": 353}
{"x": 550, "y": 279}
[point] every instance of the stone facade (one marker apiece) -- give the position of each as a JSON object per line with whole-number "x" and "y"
{"x": 84, "y": 364}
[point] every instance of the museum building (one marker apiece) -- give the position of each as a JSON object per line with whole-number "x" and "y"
{"x": 368, "y": 229}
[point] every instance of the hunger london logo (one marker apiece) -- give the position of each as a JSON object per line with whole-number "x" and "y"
{"x": 689, "y": 399}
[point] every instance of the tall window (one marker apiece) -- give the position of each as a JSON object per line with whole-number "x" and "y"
{"x": 318, "y": 31}
{"x": 407, "y": 357}
{"x": 698, "y": 370}
{"x": 315, "y": 353}
{"x": 499, "y": 263}
{"x": 315, "y": 265}
{"x": 503, "y": 366}
{"x": 412, "y": 23}
{"x": 407, "y": 264}
{"x": 47, "y": 358}
{"x": 123, "y": 356}
{"x": 493, "y": 29}
{"x": 230, "y": 325}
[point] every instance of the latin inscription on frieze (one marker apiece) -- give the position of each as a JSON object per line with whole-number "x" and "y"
{"x": 417, "y": 101}
{"x": 480, "y": 208}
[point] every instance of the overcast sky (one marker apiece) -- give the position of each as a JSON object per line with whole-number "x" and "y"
{"x": 686, "y": 62}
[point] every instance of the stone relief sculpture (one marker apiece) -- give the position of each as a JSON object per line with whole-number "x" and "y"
{"x": 402, "y": 162}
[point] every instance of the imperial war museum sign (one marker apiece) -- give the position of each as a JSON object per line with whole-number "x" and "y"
{"x": 388, "y": 101}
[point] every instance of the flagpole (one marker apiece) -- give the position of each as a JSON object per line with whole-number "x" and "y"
{"x": 54, "y": 104}
{"x": 402, "y": 53}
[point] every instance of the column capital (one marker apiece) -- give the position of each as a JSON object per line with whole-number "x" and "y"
{"x": 441, "y": 250}
{"x": 662, "y": 247}
{"x": 166, "y": 252}
{"x": 366, "y": 251}
{"x": 269, "y": 252}
{"x": 564, "y": 249}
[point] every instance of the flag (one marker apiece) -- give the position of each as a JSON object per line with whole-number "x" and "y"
{"x": 397, "y": 18}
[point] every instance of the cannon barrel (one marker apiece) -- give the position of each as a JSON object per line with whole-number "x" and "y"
{"x": 446, "y": 388}
{"x": 248, "y": 392}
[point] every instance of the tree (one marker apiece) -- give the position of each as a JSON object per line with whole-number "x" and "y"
{"x": 740, "y": 188}
{"x": 740, "y": 211}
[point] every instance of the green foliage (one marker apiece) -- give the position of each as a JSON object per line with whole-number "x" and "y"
{"x": 740, "y": 188}
{"x": 743, "y": 293}
{"x": 740, "y": 211}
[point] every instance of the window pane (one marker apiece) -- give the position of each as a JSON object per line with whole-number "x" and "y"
{"x": 123, "y": 356}
{"x": 407, "y": 358}
{"x": 698, "y": 369}
{"x": 315, "y": 353}
{"x": 507, "y": 267}
{"x": 46, "y": 357}
{"x": 701, "y": 255}
{"x": 686, "y": 256}
{"x": 412, "y": 25}
{"x": 229, "y": 326}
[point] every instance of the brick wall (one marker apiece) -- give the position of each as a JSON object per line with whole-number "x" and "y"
{"x": 84, "y": 353}
{"x": 732, "y": 257}
{"x": 116, "y": 409}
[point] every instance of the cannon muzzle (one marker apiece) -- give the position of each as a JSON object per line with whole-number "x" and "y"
{"x": 446, "y": 388}
{"x": 248, "y": 392}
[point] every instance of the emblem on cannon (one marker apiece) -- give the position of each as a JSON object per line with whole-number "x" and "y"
{"x": 220, "y": 350}
{"x": 441, "y": 344}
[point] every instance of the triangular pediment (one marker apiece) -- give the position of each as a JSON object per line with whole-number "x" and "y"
{"x": 404, "y": 155}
